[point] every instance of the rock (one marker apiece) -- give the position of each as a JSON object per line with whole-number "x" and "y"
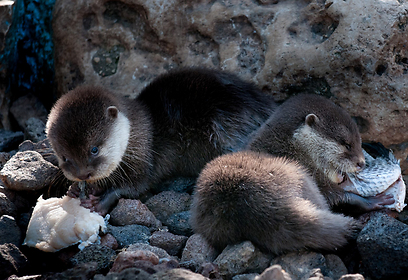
{"x": 173, "y": 244}
{"x": 304, "y": 265}
{"x": 134, "y": 258}
{"x": 162, "y": 254}
{"x": 279, "y": 45}
{"x": 27, "y": 171}
{"x": 103, "y": 256}
{"x": 4, "y": 157}
{"x": 82, "y": 271}
{"x": 382, "y": 244}
{"x": 241, "y": 258}
{"x": 132, "y": 211}
{"x": 9, "y": 140}
{"x": 34, "y": 130}
{"x": 20, "y": 201}
{"x": 167, "y": 203}
{"x": 248, "y": 276}
{"x": 352, "y": 277}
{"x": 274, "y": 272}
{"x": 209, "y": 270}
{"x": 178, "y": 223}
{"x": 6, "y": 13}
{"x": 29, "y": 277}
{"x": 109, "y": 241}
{"x": 27, "y": 107}
{"x": 12, "y": 261}
{"x": 9, "y": 231}
{"x": 6, "y": 206}
{"x": 179, "y": 184}
{"x": 43, "y": 147}
{"x": 130, "y": 273}
{"x": 178, "y": 273}
{"x": 130, "y": 234}
{"x": 197, "y": 252}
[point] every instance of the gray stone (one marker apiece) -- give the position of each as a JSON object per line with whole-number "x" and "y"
{"x": 130, "y": 273}
{"x": 26, "y": 107}
{"x": 10, "y": 140}
{"x": 173, "y": 244}
{"x": 9, "y": 231}
{"x": 241, "y": 258}
{"x": 178, "y": 223}
{"x": 82, "y": 271}
{"x": 130, "y": 234}
{"x": 197, "y": 252}
{"x": 28, "y": 171}
{"x": 12, "y": 261}
{"x": 248, "y": 276}
{"x": 34, "y": 130}
{"x": 302, "y": 265}
{"x": 132, "y": 211}
{"x": 127, "y": 259}
{"x": 162, "y": 254}
{"x": 6, "y": 206}
{"x": 382, "y": 244}
{"x": 103, "y": 256}
{"x": 179, "y": 274}
{"x": 274, "y": 272}
{"x": 167, "y": 203}
{"x": 352, "y": 277}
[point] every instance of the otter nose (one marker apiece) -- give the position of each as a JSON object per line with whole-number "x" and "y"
{"x": 84, "y": 177}
{"x": 360, "y": 165}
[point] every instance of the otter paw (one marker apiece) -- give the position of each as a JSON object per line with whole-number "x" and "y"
{"x": 74, "y": 190}
{"x": 93, "y": 203}
{"x": 380, "y": 200}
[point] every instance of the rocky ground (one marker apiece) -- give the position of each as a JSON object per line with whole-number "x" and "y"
{"x": 152, "y": 239}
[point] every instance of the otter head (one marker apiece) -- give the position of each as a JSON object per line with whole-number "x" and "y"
{"x": 88, "y": 133}
{"x": 331, "y": 140}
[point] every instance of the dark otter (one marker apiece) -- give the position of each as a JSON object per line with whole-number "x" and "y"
{"x": 268, "y": 200}
{"x": 322, "y": 137}
{"x": 182, "y": 120}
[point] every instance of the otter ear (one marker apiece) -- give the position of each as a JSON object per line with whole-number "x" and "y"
{"x": 112, "y": 112}
{"x": 311, "y": 119}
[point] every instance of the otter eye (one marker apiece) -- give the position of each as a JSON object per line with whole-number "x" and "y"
{"x": 94, "y": 151}
{"x": 64, "y": 159}
{"x": 348, "y": 147}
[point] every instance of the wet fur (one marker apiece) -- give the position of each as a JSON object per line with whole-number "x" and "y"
{"x": 325, "y": 143}
{"x": 182, "y": 120}
{"x": 270, "y": 201}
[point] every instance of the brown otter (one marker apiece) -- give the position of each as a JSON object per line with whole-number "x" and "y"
{"x": 322, "y": 137}
{"x": 179, "y": 122}
{"x": 271, "y": 201}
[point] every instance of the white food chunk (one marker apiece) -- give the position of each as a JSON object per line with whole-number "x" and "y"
{"x": 57, "y": 223}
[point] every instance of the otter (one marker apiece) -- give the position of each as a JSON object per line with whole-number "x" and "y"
{"x": 179, "y": 122}
{"x": 322, "y": 137}
{"x": 271, "y": 201}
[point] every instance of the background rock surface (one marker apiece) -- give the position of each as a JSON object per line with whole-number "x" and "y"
{"x": 359, "y": 59}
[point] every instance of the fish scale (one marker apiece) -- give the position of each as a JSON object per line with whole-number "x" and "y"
{"x": 380, "y": 175}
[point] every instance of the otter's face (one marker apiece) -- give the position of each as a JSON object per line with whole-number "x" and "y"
{"x": 335, "y": 148}
{"x": 89, "y": 139}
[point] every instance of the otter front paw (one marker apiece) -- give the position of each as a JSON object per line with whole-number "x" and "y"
{"x": 371, "y": 203}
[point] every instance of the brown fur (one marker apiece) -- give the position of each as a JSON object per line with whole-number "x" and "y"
{"x": 182, "y": 120}
{"x": 268, "y": 200}
{"x": 322, "y": 137}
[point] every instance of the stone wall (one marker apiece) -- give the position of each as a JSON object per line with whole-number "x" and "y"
{"x": 353, "y": 51}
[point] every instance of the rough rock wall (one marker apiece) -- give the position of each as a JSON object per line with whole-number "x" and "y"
{"x": 353, "y": 51}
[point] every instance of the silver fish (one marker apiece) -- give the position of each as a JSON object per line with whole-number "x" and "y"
{"x": 381, "y": 174}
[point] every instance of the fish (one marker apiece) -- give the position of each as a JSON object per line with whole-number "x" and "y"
{"x": 381, "y": 174}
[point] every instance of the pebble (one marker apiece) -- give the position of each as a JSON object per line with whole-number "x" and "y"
{"x": 9, "y": 231}
{"x": 130, "y": 234}
{"x": 197, "y": 252}
{"x": 302, "y": 265}
{"x": 133, "y": 211}
{"x": 6, "y": 206}
{"x": 34, "y": 130}
{"x": 10, "y": 140}
{"x": 12, "y": 261}
{"x": 241, "y": 258}
{"x": 179, "y": 274}
{"x": 173, "y": 244}
{"x": 167, "y": 203}
{"x": 27, "y": 171}
{"x": 274, "y": 272}
{"x": 129, "y": 273}
{"x": 178, "y": 223}
{"x": 383, "y": 246}
{"x": 103, "y": 256}
{"x": 129, "y": 259}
